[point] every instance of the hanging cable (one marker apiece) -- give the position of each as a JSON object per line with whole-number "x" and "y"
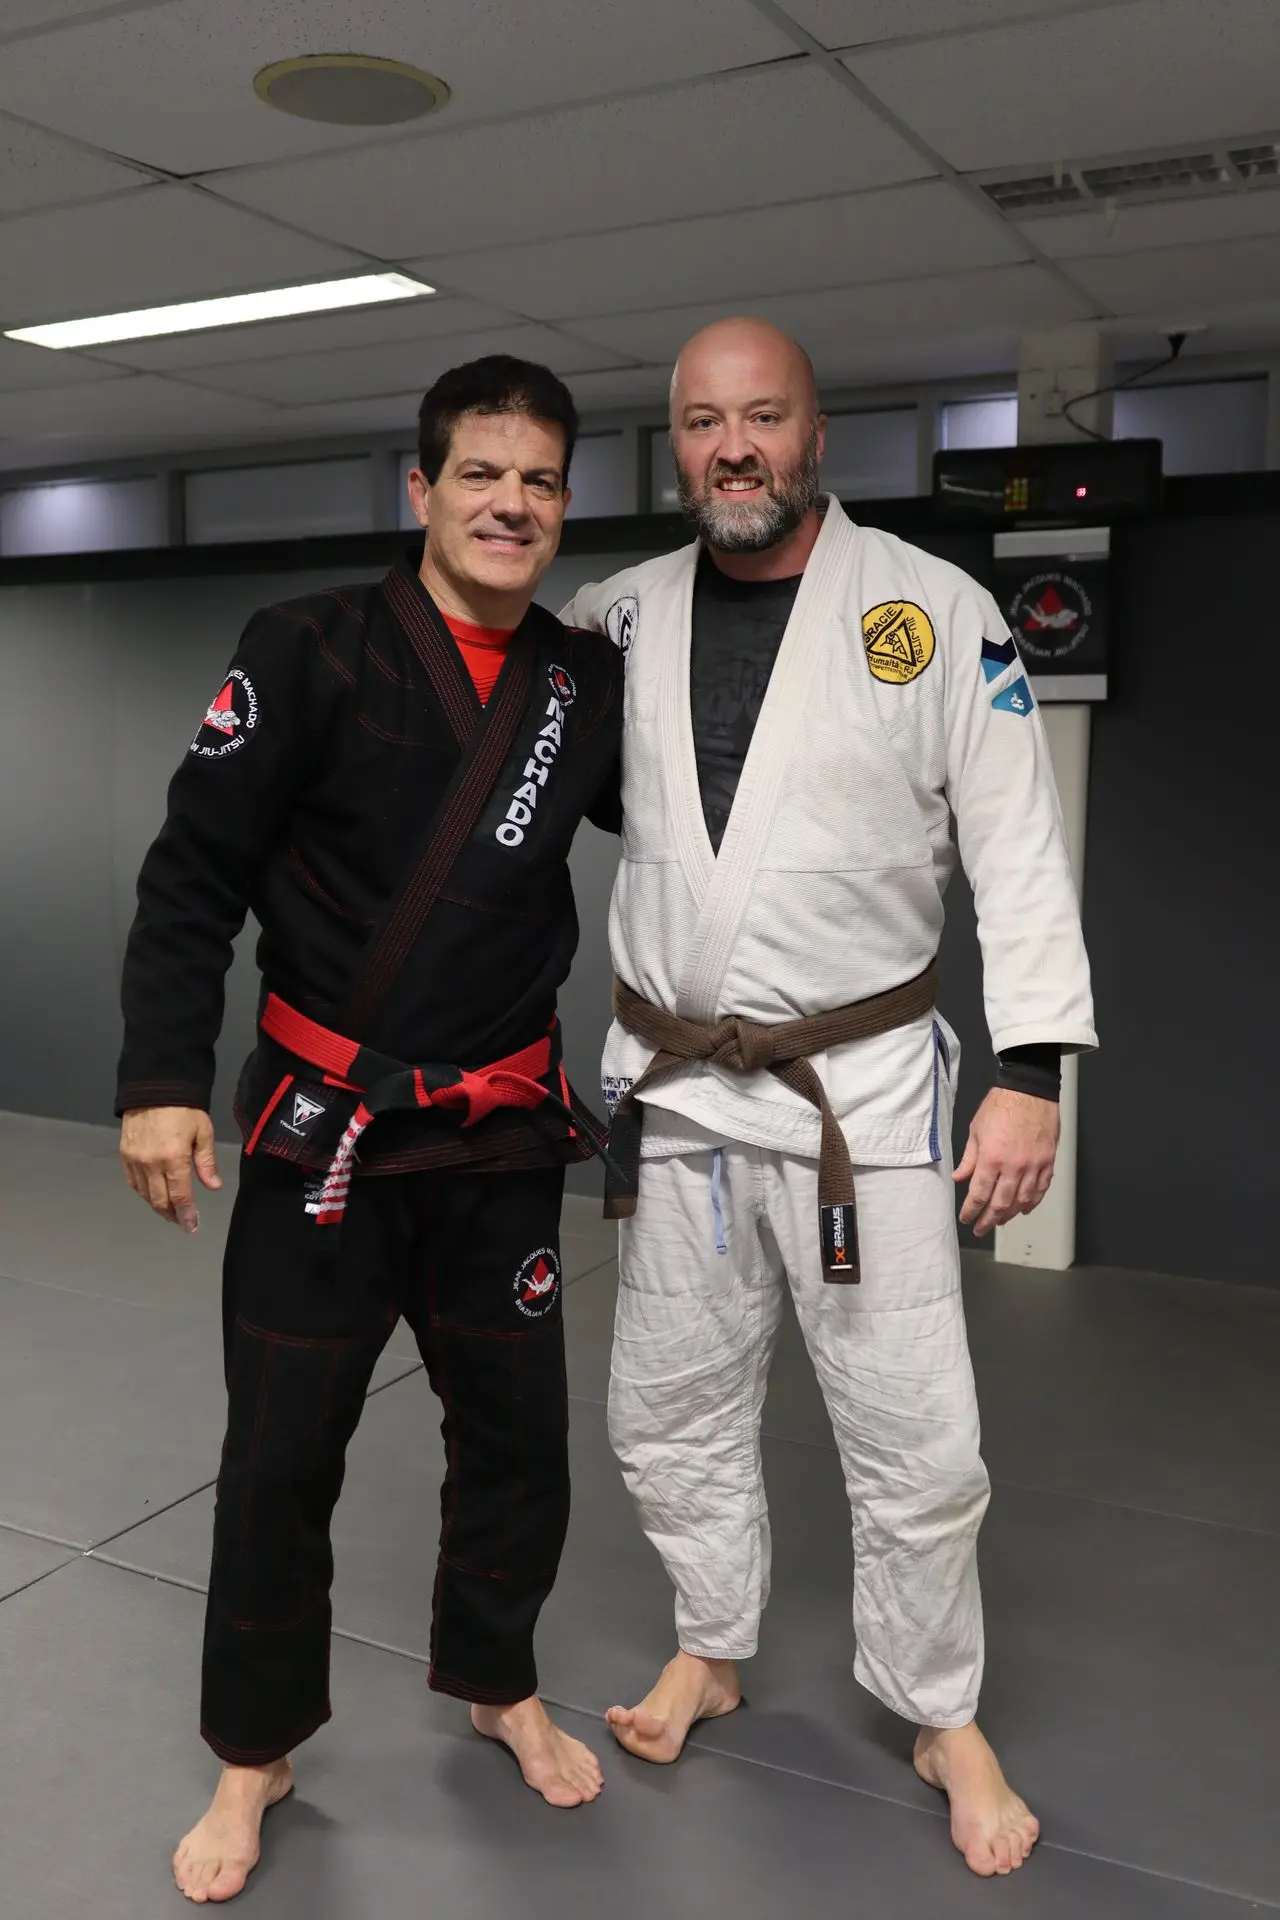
{"x": 1176, "y": 343}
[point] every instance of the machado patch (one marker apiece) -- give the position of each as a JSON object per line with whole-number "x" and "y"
{"x": 537, "y": 1284}
{"x": 900, "y": 641}
{"x": 229, "y": 721}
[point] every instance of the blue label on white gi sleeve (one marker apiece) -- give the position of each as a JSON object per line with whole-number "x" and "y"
{"x": 995, "y": 658}
{"x": 1015, "y": 699}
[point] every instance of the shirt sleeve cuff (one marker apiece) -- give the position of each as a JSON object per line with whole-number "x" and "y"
{"x": 1035, "y": 1069}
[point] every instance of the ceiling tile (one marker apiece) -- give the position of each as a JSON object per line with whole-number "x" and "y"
{"x": 686, "y": 151}
{"x": 619, "y": 388}
{"x": 324, "y": 333}
{"x": 145, "y": 248}
{"x": 1150, "y": 74}
{"x": 118, "y": 415}
{"x": 37, "y": 169}
{"x": 829, "y": 323}
{"x": 896, "y": 231}
{"x": 349, "y": 375}
{"x": 853, "y": 23}
{"x": 1175, "y": 223}
{"x": 181, "y": 77}
{"x": 18, "y": 16}
{"x": 1184, "y": 282}
{"x": 25, "y": 369}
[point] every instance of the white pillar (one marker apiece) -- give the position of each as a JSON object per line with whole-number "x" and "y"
{"x": 1047, "y": 1237}
{"x": 1054, "y": 367}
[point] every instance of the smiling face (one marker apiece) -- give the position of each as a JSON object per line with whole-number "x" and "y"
{"x": 747, "y": 435}
{"x": 494, "y": 515}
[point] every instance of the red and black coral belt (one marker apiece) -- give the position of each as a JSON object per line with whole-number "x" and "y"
{"x": 385, "y": 1085}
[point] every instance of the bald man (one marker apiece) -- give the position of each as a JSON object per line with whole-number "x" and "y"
{"x": 819, "y": 719}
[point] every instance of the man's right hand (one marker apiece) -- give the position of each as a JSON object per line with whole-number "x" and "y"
{"x": 158, "y": 1146}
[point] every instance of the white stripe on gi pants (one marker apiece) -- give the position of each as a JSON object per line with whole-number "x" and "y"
{"x": 694, "y": 1337}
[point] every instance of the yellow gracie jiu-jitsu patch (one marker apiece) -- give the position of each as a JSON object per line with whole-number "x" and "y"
{"x": 899, "y": 640}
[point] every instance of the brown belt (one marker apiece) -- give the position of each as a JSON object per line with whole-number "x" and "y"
{"x": 744, "y": 1046}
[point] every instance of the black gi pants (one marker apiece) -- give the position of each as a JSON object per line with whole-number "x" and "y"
{"x": 471, "y": 1260}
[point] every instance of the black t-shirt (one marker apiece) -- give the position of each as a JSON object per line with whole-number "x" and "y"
{"x": 737, "y": 630}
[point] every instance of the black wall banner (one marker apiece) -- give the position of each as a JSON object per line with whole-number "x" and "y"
{"x": 1057, "y": 604}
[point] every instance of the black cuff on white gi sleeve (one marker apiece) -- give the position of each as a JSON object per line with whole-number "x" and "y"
{"x": 1035, "y": 1069}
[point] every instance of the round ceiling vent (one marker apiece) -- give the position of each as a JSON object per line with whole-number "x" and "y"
{"x": 350, "y": 89}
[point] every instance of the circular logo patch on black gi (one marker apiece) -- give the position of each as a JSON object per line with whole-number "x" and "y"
{"x": 230, "y": 720}
{"x": 537, "y": 1284}
{"x": 562, "y": 687}
{"x": 1050, "y": 614}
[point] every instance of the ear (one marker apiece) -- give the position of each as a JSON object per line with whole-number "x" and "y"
{"x": 420, "y": 496}
{"x": 822, "y": 436}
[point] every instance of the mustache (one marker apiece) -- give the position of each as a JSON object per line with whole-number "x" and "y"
{"x": 750, "y": 469}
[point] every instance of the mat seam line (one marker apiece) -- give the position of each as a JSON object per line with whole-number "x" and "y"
{"x": 751, "y": 1760}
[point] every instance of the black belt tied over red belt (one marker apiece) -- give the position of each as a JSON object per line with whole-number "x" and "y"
{"x": 748, "y": 1046}
{"x": 385, "y": 1085}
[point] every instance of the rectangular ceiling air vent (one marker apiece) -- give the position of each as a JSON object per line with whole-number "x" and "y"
{"x": 1133, "y": 178}
{"x": 1256, "y": 163}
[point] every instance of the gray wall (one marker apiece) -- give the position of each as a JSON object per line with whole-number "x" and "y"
{"x": 101, "y": 689}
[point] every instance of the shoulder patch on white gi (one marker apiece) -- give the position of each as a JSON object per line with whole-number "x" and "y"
{"x": 1051, "y": 615}
{"x": 997, "y": 658}
{"x": 537, "y": 1283}
{"x": 900, "y": 641}
{"x": 229, "y": 720}
{"x": 1015, "y": 699}
{"x": 621, "y": 621}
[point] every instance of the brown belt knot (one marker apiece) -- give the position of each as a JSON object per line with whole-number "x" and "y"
{"x": 746, "y": 1046}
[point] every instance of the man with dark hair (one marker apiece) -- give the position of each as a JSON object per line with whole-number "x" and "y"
{"x": 390, "y": 777}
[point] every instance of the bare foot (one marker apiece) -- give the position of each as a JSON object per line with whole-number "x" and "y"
{"x": 553, "y": 1763}
{"x": 217, "y": 1857}
{"x": 688, "y": 1689}
{"x": 992, "y": 1827}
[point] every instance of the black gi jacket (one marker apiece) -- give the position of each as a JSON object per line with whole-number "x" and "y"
{"x": 346, "y": 726}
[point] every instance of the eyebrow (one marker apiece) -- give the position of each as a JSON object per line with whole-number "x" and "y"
{"x": 494, "y": 471}
{"x": 764, "y": 400}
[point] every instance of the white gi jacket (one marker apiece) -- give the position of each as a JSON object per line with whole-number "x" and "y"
{"x": 890, "y": 743}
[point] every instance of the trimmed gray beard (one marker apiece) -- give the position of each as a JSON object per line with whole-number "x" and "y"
{"x": 752, "y": 528}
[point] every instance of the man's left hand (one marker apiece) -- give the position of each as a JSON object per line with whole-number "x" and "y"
{"x": 1008, "y": 1161}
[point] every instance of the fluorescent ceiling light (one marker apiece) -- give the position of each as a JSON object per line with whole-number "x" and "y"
{"x": 231, "y": 310}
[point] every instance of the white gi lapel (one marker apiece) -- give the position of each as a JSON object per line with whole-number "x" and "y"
{"x": 673, "y": 618}
{"x": 732, "y": 878}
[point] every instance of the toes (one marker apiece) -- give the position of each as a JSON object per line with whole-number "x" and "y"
{"x": 620, "y": 1716}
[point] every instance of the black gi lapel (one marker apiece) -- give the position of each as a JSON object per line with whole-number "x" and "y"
{"x": 486, "y": 740}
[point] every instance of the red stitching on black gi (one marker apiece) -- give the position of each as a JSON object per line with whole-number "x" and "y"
{"x": 438, "y": 653}
{"x": 380, "y": 733}
{"x": 446, "y": 843}
{"x": 295, "y": 1340}
{"x": 319, "y": 893}
{"x": 340, "y": 667}
{"x": 256, "y": 1446}
{"x": 464, "y": 1690}
{"x": 263, "y": 1756}
{"x": 357, "y": 613}
{"x": 274, "y": 1626}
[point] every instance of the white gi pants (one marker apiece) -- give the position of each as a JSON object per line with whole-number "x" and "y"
{"x": 694, "y": 1337}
